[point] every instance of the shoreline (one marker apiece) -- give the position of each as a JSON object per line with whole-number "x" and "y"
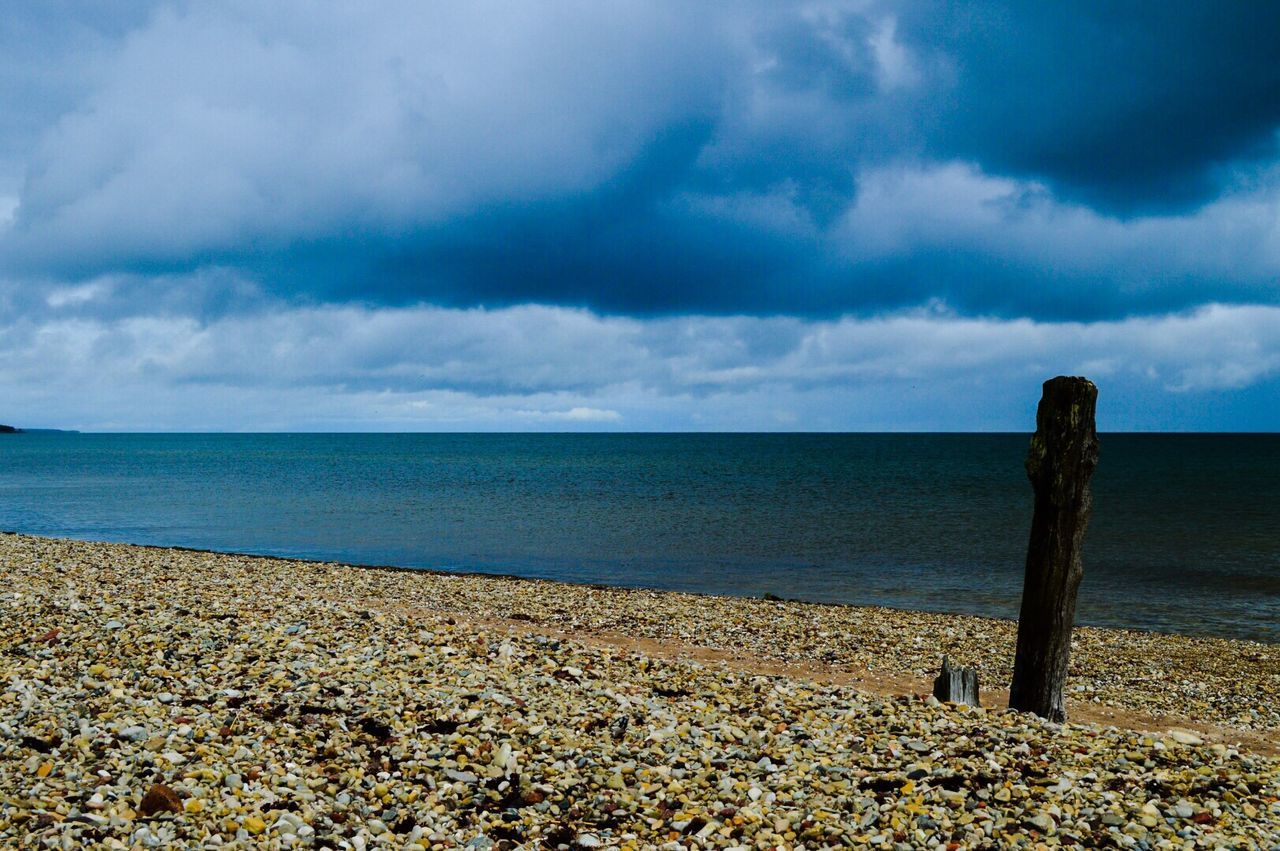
{"x": 648, "y": 589}
{"x": 813, "y": 663}
{"x": 287, "y": 698}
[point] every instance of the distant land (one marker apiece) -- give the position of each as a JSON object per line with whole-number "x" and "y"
{"x": 8, "y": 429}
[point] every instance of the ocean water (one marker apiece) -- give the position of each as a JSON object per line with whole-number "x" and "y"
{"x": 1185, "y": 535}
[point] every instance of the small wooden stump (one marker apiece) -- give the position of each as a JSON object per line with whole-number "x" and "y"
{"x": 956, "y": 684}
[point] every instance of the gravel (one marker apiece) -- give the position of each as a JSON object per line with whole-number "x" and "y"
{"x": 247, "y": 703}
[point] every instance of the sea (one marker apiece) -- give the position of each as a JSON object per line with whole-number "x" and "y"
{"x": 1185, "y": 535}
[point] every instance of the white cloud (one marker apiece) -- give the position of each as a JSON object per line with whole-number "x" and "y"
{"x": 532, "y": 367}
{"x": 213, "y": 125}
{"x": 79, "y": 295}
{"x": 580, "y": 414}
{"x": 895, "y": 66}
{"x": 905, "y": 208}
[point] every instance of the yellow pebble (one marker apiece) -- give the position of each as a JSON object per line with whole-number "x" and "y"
{"x": 254, "y": 825}
{"x": 43, "y": 770}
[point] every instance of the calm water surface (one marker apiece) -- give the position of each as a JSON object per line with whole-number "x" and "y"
{"x": 1185, "y": 535}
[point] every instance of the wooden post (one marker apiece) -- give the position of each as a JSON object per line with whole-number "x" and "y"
{"x": 956, "y": 684}
{"x": 1062, "y": 458}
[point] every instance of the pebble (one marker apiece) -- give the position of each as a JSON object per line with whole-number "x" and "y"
{"x": 1042, "y": 822}
{"x": 159, "y": 799}
{"x": 383, "y": 725}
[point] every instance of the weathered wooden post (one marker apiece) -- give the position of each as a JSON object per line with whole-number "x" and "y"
{"x": 1062, "y": 458}
{"x": 956, "y": 684}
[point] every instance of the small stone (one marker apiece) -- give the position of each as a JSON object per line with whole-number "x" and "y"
{"x": 1042, "y": 822}
{"x": 390, "y": 727}
{"x": 159, "y": 799}
{"x": 113, "y": 624}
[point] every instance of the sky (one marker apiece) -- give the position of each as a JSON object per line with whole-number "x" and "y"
{"x": 859, "y": 216}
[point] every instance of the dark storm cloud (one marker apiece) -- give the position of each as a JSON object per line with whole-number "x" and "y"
{"x": 1074, "y": 162}
{"x": 1127, "y": 106}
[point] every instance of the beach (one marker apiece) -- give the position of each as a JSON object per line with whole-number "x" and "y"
{"x": 910, "y": 521}
{"x": 173, "y": 698}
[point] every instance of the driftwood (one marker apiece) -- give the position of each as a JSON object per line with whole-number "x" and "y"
{"x": 956, "y": 684}
{"x": 1062, "y": 458}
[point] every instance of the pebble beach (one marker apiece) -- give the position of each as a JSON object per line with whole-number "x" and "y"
{"x": 158, "y": 698}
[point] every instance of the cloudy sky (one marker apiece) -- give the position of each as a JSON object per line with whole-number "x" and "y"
{"x": 634, "y": 216}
